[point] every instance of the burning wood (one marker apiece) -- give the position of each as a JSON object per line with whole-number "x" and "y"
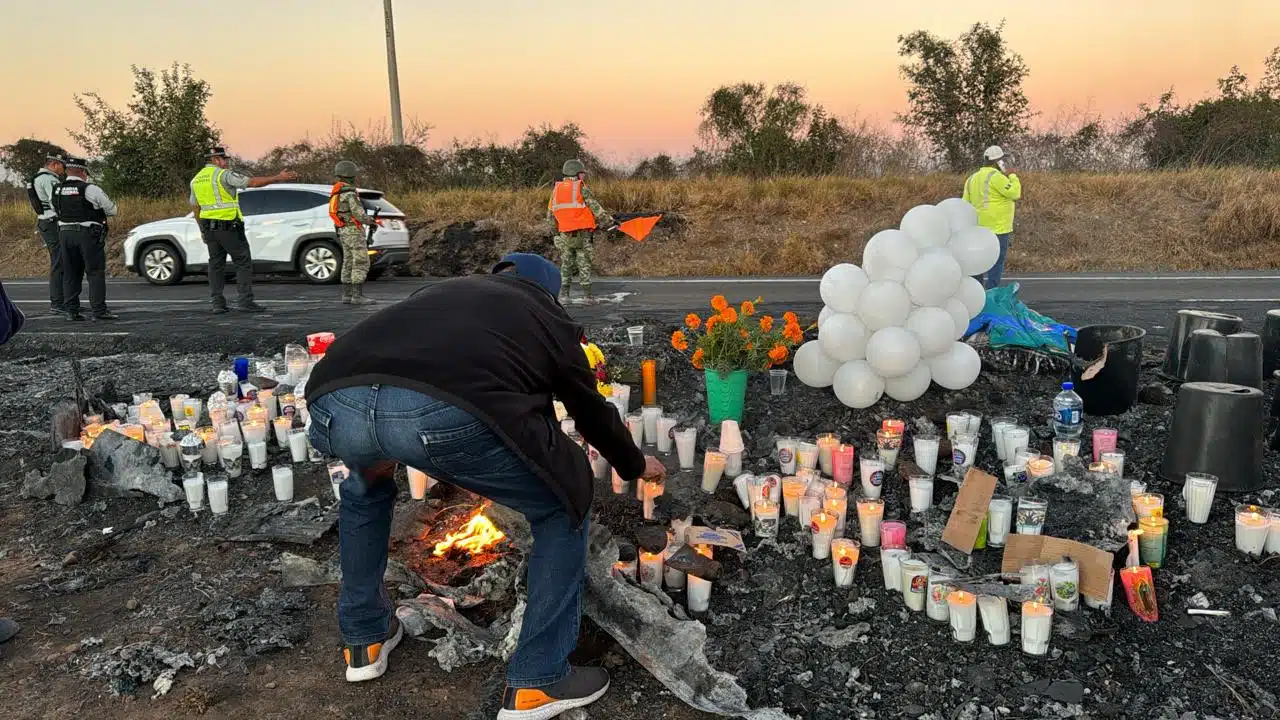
{"x": 476, "y": 536}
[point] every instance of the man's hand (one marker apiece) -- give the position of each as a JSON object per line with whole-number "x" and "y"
{"x": 287, "y": 176}
{"x": 654, "y": 470}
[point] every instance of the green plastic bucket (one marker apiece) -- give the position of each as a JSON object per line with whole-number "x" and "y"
{"x": 726, "y": 394}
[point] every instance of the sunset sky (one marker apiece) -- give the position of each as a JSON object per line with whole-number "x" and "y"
{"x": 631, "y": 74}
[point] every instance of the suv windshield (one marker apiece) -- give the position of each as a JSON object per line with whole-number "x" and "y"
{"x": 375, "y": 201}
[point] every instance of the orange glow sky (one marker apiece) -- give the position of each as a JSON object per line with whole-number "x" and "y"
{"x": 631, "y": 74}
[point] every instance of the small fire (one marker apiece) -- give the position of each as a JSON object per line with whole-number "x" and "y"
{"x": 478, "y": 535}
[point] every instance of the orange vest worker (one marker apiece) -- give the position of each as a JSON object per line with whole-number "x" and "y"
{"x": 568, "y": 208}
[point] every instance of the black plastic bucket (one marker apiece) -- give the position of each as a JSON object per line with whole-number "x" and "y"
{"x": 1235, "y": 359}
{"x": 1218, "y": 429}
{"x": 1271, "y": 342}
{"x": 1186, "y": 321}
{"x": 1112, "y": 355}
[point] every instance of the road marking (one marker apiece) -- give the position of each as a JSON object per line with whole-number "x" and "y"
{"x": 184, "y": 302}
{"x": 1227, "y": 300}
{"x": 52, "y": 332}
{"x": 1032, "y": 279}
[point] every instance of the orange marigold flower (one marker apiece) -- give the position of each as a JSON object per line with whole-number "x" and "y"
{"x": 729, "y": 315}
{"x": 742, "y": 333}
{"x": 778, "y": 354}
{"x": 750, "y": 346}
{"x": 793, "y": 333}
{"x": 697, "y": 358}
{"x": 790, "y": 318}
{"x": 766, "y": 323}
{"x": 692, "y": 321}
{"x": 748, "y": 308}
{"x": 718, "y": 303}
{"x": 712, "y": 322}
{"x": 678, "y": 341}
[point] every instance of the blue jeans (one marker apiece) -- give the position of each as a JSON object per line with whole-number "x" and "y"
{"x": 374, "y": 427}
{"x": 996, "y": 273}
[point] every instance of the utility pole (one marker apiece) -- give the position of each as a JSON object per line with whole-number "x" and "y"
{"x": 393, "y": 76}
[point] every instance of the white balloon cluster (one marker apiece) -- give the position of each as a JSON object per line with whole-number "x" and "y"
{"x": 894, "y": 325}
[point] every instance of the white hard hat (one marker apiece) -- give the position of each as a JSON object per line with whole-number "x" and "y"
{"x": 993, "y": 153}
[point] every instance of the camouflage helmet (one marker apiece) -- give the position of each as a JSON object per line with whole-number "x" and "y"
{"x": 572, "y": 168}
{"x": 345, "y": 169}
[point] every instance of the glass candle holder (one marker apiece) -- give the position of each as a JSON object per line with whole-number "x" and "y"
{"x": 998, "y": 427}
{"x": 193, "y": 486}
{"x": 1063, "y": 447}
{"x": 1114, "y": 460}
{"x": 1037, "y": 627}
{"x": 915, "y": 583}
{"x": 1064, "y": 581}
{"x": 650, "y": 415}
{"x": 1016, "y": 438}
{"x": 823, "y": 527}
{"x": 870, "y": 515}
{"x": 939, "y": 587}
{"x": 995, "y": 618}
{"x": 999, "y": 518}
{"x": 888, "y": 444}
{"x": 1252, "y": 528}
{"x": 666, "y": 434}
{"x": 1039, "y": 467}
{"x": 926, "y": 454}
{"x": 1031, "y": 515}
{"x": 872, "y": 474}
{"x": 787, "y": 447}
{"x": 807, "y": 455}
{"x": 891, "y": 565}
{"x": 635, "y": 424}
{"x": 1148, "y": 505}
{"x": 217, "y": 496}
{"x": 893, "y": 534}
{"x": 209, "y": 452}
{"x": 1198, "y": 490}
{"x": 282, "y": 481}
{"x": 686, "y": 446}
{"x": 1104, "y": 441}
{"x": 1153, "y": 543}
{"x": 964, "y": 449}
{"x": 713, "y": 462}
{"x": 844, "y": 561}
{"x": 766, "y": 518}
{"x": 1038, "y": 577}
{"x": 827, "y": 443}
{"x": 649, "y": 382}
{"x": 921, "y": 490}
{"x": 842, "y": 465}
{"x": 962, "y": 611}
{"x": 957, "y": 422}
{"x": 792, "y": 490}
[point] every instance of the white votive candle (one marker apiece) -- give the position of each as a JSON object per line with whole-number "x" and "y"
{"x": 298, "y": 444}
{"x": 651, "y": 569}
{"x": 1252, "y": 528}
{"x": 926, "y": 454}
{"x": 962, "y": 611}
{"x": 258, "y": 455}
{"x": 891, "y": 566}
{"x": 193, "y": 485}
{"x": 844, "y": 561}
{"x": 282, "y": 480}
{"x": 698, "y": 593}
{"x": 995, "y": 618}
{"x": 665, "y": 440}
{"x": 1037, "y": 626}
{"x": 823, "y": 527}
{"x": 217, "y": 496}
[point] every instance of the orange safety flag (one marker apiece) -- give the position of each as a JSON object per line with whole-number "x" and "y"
{"x": 638, "y": 228}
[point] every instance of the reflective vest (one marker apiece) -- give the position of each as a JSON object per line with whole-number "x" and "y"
{"x": 992, "y": 194}
{"x": 334, "y": 193}
{"x": 216, "y": 201}
{"x": 569, "y": 209}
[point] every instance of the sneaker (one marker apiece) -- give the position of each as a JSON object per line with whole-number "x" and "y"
{"x": 220, "y": 310}
{"x": 582, "y": 687}
{"x": 366, "y": 662}
{"x": 75, "y": 315}
{"x": 106, "y": 315}
{"x": 251, "y": 307}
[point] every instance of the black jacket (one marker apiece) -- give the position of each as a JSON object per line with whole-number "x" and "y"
{"x": 499, "y": 347}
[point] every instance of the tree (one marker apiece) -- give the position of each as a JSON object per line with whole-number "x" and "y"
{"x": 758, "y": 131}
{"x": 24, "y": 157}
{"x": 1235, "y": 85}
{"x": 965, "y": 94}
{"x": 154, "y": 145}
{"x": 658, "y": 167}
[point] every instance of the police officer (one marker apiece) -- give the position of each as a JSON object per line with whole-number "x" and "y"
{"x": 40, "y": 192}
{"x": 350, "y": 221}
{"x": 214, "y": 192}
{"x": 576, "y": 215}
{"x": 83, "y": 209}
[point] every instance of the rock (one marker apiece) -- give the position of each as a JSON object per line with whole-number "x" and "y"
{"x": 804, "y": 678}
{"x": 861, "y": 606}
{"x": 464, "y": 642}
{"x": 686, "y": 559}
{"x": 651, "y": 538}
{"x": 1155, "y": 394}
{"x": 726, "y": 515}
{"x": 837, "y": 639}
{"x": 65, "y": 482}
{"x": 123, "y": 467}
{"x": 132, "y": 604}
{"x": 300, "y": 523}
{"x": 1092, "y": 508}
{"x": 298, "y": 571}
{"x": 270, "y": 686}
{"x": 70, "y": 559}
{"x": 8, "y": 629}
{"x": 1067, "y": 691}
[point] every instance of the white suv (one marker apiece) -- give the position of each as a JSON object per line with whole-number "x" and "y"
{"x": 289, "y": 231}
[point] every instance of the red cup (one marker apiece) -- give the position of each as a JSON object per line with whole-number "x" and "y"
{"x": 318, "y": 343}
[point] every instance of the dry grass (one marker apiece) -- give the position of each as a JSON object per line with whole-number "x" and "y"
{"x": 1218, "y": 219}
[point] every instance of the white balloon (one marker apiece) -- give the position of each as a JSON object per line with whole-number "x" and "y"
{"x": 892, "y": 246}
{"x": 857, "y": 385}
{"x": 956, "y": 368}
{"x": 882, "y": 304}
{"x": 843, "y": 338}
{"x": 960, "y": 214}
{"x": 878, "y": 268}
{"x": 822, "y": 316}
{"x": 892, "y": 352}
{"x": 934, "y": 329}
{"x": 976, "y": 249}
{"x": 910, "y": 386}
{"x": 927, "y": 224}
{"x": 841, "y": 286}
{"x": 932, "y": 278}
{"x": 813, "y": 367}
{"x": 973, "y": 295}
{"x": 959, "y": 315}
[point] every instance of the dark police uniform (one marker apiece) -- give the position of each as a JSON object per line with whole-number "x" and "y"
{"x": 83, "y": 209}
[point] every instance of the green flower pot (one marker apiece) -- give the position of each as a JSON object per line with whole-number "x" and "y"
{"x": 726, "y": 394}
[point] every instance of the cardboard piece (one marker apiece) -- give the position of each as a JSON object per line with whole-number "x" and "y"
{"x": 1095, "y": 564}
{"x": 699, "y": 535}
{"x": 970, "y": 510}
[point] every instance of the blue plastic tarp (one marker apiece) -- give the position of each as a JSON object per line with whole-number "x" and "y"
{"x": 1009, "y": 323}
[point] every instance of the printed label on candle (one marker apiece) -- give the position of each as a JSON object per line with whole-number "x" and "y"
{"x": 919, "y": 583}
{"x": 767, "y": 484}
{"x": 814, "y": 528}
{"x": 957, "y": 457}
{"x": 593, "y": 454}
{"x": 877, "y": 478}
{"x": 785, "y": 455}
{"x": 845, "y": 561}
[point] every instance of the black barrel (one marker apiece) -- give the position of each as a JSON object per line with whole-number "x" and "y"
{"x": 1186, "y": 321}
{"x": 1234, "y": 359}
{"x": 1271, "y": 342}
{"x": 1218, "y": 429}
{"x": 1112, "y": 355}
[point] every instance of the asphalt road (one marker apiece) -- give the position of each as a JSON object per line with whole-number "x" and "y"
{"x": 178, "y": 318}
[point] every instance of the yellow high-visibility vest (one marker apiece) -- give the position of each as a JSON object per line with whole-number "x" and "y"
{"x": 215, "y": 200}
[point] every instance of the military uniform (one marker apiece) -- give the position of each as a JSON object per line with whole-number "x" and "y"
{"x": 351, "y": 223}
{"x": 576, "y": 215}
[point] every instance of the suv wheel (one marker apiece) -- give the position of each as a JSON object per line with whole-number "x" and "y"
{"x": 160, "y": 264}
{"x": 321, "y": 262}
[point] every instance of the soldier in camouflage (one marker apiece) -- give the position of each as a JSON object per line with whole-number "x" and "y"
{"x": 350, "y": 221}
{"x": 576, "y": 216}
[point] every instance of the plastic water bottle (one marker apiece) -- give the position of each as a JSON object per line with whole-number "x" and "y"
{"x": 1068, "y": 412}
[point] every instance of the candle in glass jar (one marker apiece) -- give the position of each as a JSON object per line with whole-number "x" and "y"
{"x": 891, "y": 565}
{"x": 999, "y": 518}
{"x": 962, "y": 611}
{"x": 652, "y": 490}
{"x": 1273, "y": 534}
{"x": 1198, "y": 491}
{"x": 1064, "y": 582}
{"x": 957, "y": 422}
{"x": 1104, "y": 441}
{"x": 836, "y": 502}
{"x": 256, "y": 412}
{"x": 231, "y": 453}
{"x": 1062, "y": 447}
{"x": 698, "y": 594}
{"x": 998, "y": 426}
{"x": 823, "y": 526}
{"x": 792, "y": 490}
{"x": 193, "y": 486}
{"x": 888, "y": 444}
{"x": 842, "y": 465}
{"x": 915, "y": 583}
{"x": 807, "y": 455}
{"x": 650, "y": 569}
{"x": 282, "y": 426}
{"x": 787, "y": 447}
{"x": 217, "y": 496}
{"x": 872, "y": 475}
{"x": 921, "y": 490}
{"x": 939, "y": 587}
{"x": 625, "y": 569}
{"x": 893, "y": 534}
{"x": 257, "y": 455}
{"x": 666, "y": 436}
{"x": 649, "y": 415}
{"x": 267, "y": 399}
{"x": 765, "y": 513}
{"x": 1148, "y": 505}
{"x": 995, "y": 618}
{"x": 209, "y": 453}
{"x": 893, "y": 425}
{"x": 649, "y": 382}
{"x": 1114, "y": 460}
{"x": 870, "y": 514}
{"x": 1252, "y": 528}
{"x": 1154, "y": 541}
{"x": 712, "y": 468}
{"x": 255, "y": 431}
{"x": 827, "y": 444}
{"x": 1039, "y": 467}
{"x": 635, "y": 424}
{"x": 844, "y": 561}
{"x": 282, "y": 481}
{"x": 808, "y": 506}
{"x": 137, "y": 432}
{"x": 1037, "y": 626}
{"x": 926, "y": 453}
{"x": 298, "y": 444}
